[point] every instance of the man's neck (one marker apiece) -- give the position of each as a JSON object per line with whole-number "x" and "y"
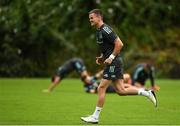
{"x": 100, "y": 24}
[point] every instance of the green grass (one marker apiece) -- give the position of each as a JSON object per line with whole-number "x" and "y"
{"x": 22, "y": 102}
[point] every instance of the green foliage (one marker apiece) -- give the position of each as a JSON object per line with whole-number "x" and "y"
{"x": 37, "y": 36}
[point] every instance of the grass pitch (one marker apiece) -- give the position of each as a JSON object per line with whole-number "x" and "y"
{"x": 23, "y": 103}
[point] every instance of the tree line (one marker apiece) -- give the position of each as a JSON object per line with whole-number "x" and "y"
{"x": 37, "y": 36}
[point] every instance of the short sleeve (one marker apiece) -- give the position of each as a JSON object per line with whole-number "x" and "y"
{"x": 108, "y": 34}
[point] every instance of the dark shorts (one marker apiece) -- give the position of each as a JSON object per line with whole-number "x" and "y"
{"x": 114, "y": 71}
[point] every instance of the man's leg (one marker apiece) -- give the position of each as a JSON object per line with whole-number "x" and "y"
{"x": 101, "y": 98}
{"x": 102, "y": 92}
{"x": 124, "y": 89}
{"x": 132, "y": 90}
{"x": 84, "y": 73}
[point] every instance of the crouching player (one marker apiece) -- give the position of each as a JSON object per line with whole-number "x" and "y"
{"x": 141, "y": 74}
{"x": 78, "y": 65}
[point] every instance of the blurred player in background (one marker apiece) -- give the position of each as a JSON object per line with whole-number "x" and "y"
{"x": 78, "y": 65}
{"x": 142, "y": 73}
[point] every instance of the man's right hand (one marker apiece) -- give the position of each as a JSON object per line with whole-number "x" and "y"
{"x": 99, "y": 60}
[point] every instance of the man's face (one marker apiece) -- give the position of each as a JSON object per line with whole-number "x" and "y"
{"x": 94, "y": 19}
